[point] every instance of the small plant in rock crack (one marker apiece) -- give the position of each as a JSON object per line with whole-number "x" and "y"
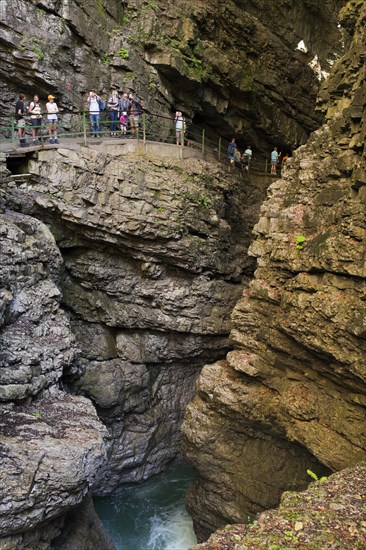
{"x": 315, "y": 477}
{"x": 300, "y": 240}
{"x": 123, "y": 54}
{"x": 202, "y": 200}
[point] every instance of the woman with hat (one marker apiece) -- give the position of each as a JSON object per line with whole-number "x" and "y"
{"x": 52, "y": 111}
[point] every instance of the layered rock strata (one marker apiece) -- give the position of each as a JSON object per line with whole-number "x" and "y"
{"x": 295, "y": 384}
{"x": 154, "y": 257}
{"x": 51, "y": 444}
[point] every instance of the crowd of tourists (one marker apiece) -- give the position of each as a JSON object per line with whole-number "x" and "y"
{"x": 125, "y": 112}
{"x": 243, "y": 160}
{"x": 124, "y": 115}
{"x": 236, "y": 158}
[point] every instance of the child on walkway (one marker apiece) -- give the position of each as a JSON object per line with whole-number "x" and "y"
{"x": 123, "y": 120}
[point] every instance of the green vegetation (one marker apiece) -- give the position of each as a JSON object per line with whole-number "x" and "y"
{"x": 101, "y": 8}
{"x": 202, "y": 200}
{"x": 300, "y": 240}
{"x": 128, "y": 77}
{"x": 123, "y": 54}
{"x": 189, "y": 59}
{"x": 199, "y": 199}
{"x": 315, "y": 477}
{"x": 33, "y": 44}
{"x": 150, "y": 5}
{"x": 138, "y": 37}
{"x": 106, "y": 59}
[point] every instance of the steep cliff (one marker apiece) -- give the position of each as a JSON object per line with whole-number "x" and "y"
{"x": 293, "y": 390}
{"x": 155, "y": 253}
{"x": 51, "y": 444}
{"x": 231, "y": 68}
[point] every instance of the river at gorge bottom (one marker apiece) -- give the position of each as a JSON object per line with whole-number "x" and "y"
{"x": 150, "y": 516}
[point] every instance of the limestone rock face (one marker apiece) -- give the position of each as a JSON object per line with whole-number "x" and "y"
{"x": 155, "y": 255}
{"x": 239, "y": 66}
{"x": 36, "y": 343}
{"x": 51, "y": 451}
{"x": 231, "y": 68}
{"x": 51, "y": 444}
{"x": 295, "y": 384}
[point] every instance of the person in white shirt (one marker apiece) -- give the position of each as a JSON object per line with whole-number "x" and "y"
{"x": 94, "y": 112}
{"x": 35, "y": 112}
{"x": 180, "y": 127}
{"x": 52, "y": 118}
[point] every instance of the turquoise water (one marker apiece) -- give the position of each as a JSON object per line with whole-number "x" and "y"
{"x": 150, "y": 516}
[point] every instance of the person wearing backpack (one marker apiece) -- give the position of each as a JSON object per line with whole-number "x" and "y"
{"x": 94, "y": 112}
{"x": 35, "y": 111}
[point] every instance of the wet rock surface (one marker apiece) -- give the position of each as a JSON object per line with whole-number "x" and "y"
{"x": 298, "y": 373}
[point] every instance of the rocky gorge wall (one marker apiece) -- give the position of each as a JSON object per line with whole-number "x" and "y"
{"x": 146, "y": 257}
{"x": 231, "y": 69}
{"x": 51, "y": 444}
{"x": 154, "y": 257}
{"x": 291, "y": 395}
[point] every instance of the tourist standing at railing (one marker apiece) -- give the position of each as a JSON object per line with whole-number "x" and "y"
{"x": 232, "y": 147}
{"x": 19, "y": 115}
{"x": 180, "y": 127}
{"x": 94, "y": 112}
{"x": 275, "y": 156}
{"x": 247, "y": 157}
{"x": 52, "y": 118}
{"x": 124, "y": 104}
{"x": 113, "y": 107}
{"x": 35, "y": 112}
{"x": 237, "y": 158}
{"x": 135, "y": 113}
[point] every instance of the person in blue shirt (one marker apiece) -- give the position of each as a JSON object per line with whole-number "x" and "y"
{"x": 231, "y": 151}
{"x": 274, "y": 160}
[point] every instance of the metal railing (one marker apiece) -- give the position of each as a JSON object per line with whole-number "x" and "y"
{"x": 150, "y": 127}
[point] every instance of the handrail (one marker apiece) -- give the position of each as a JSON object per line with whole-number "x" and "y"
{"x": 151, "y": 127}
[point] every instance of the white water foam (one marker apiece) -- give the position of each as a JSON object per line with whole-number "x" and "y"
{"x": 171, "y": 530}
